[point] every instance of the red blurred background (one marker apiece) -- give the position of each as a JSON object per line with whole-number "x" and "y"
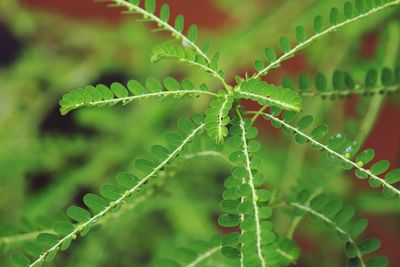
{"x": 384, "y": 138}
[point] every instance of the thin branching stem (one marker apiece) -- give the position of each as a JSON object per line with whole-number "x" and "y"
{"x": 332, "y": 28}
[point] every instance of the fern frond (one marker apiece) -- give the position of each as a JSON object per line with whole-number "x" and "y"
{"x": 244, "y": 204}
{"x": 343, "y": 84}
{"x": 268, "y": 94}
{"x": 101, "y": 95}
{"x": 167, "y": 51}
{"x": 198, "y": 253}
{"x": 112, "y": 198}
{"x": 331, "y": 212}
{"x": 148, "y": 14}
{"x": 339, "y": 148}
{"x": 335, "y": 24}
{"x": 217, "y": 117}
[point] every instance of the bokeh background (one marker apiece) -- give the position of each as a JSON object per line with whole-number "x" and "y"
{"x": 49, "y": 161}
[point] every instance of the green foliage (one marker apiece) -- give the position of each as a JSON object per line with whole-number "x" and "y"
{"x": 148, "y": 14}
{"x": 269, "y": 95}
{"x": 101, "y": 95}
{"x": 111, "y": 198}
{"x": 342, "y": 84}
{"x": 217, "y": 117}
{"x": 331, "y": 212}
{"x": 198, "y": 253}
{"x": 244, "y": 204}
{"x": 339, "y": 148}
{"x": 320, "y": 31}
{"x": 255, "y": 190}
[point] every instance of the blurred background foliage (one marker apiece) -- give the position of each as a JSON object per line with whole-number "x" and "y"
{"x": 49, "y": 161}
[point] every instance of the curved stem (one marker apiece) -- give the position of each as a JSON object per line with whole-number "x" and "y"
{"x": 253, "y": 191}
{"x": 333, "y": 152}
{"x": 152, "y": 17}
{"x": 332, "y": 28}
{"x": 329, "y": 221}
{"x": 120, "y": 200}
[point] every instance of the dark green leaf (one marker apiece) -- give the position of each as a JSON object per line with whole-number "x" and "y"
{"x": 78, "y": 214}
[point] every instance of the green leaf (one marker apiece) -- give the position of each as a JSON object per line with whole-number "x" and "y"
{"x": 20, "y": 260}
{"x": 338, "y": 80}
{"x": 318, "y": 24}
{"x": 95, "y": 202}
{"x": 164, "y": 13}
{"x": 119, "y": 90}
{"x": 150, "y": 5}
{"x": 47, "y": 240}
{"x": 365, "y": 156}
{"x": 153, "y": 85}
{"x": 171, "y": 84}
{"x": 63, "y": 228}
{"x": 357, "y": 228}
{"x": 360, "y": 6}
{"x": 393, "y": 176}
{"x": 284, "y": 44}
{"x": 160, "y": 151}
{"x": 344, "y": 215}
{"x": 229, "y": 206}
{"x": 192, "y": 33}
{"x": 304, "y": 122}
{"x": 319, "y": 132}
{"x": 321, "y": 82}
{"x": 78, "y": 214}
{"x": 136, "y": 87}
{"x": 304, "y": 82}
{"x": 334, "y": 16}
{"x": 229, "y": 220}
{"x": 300, "y": 34}
{"x": 270, "y": 54}
{"x": 110, "y": 192}
{"x": 348, "y": 10}
{"x": 387, "y": 77}
{"x": 230, "y": 239}
{"x": 371, "y": 78}
{"x": 369, "y": 245}
{"x": 144, "y": 165}
{"x": 127, "y": 180}
{"x": 380, "y": 167}
{"x": 231, "y": 252}
{"x": 379, "y": 261}
{"x": 34, "y": 249}
{"x": 179, "y": 23}
{"x": 185, "y": 125}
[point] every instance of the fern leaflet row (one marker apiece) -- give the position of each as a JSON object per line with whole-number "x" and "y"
{"x": 339, "y": 148}
{"x": 331, "y": 212}
{"x": 244, "y": 204}
{"x": 148, "y": 14}
{"x": 268, "y": 94}
{"x": 101, "y": 95}
{"x": 362, "y": 9}
{"x": 165, "y": 51}
{"x": 343, "y": 84}
{"x": 217, "y": 117}
{"x": 112, "y": 198}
